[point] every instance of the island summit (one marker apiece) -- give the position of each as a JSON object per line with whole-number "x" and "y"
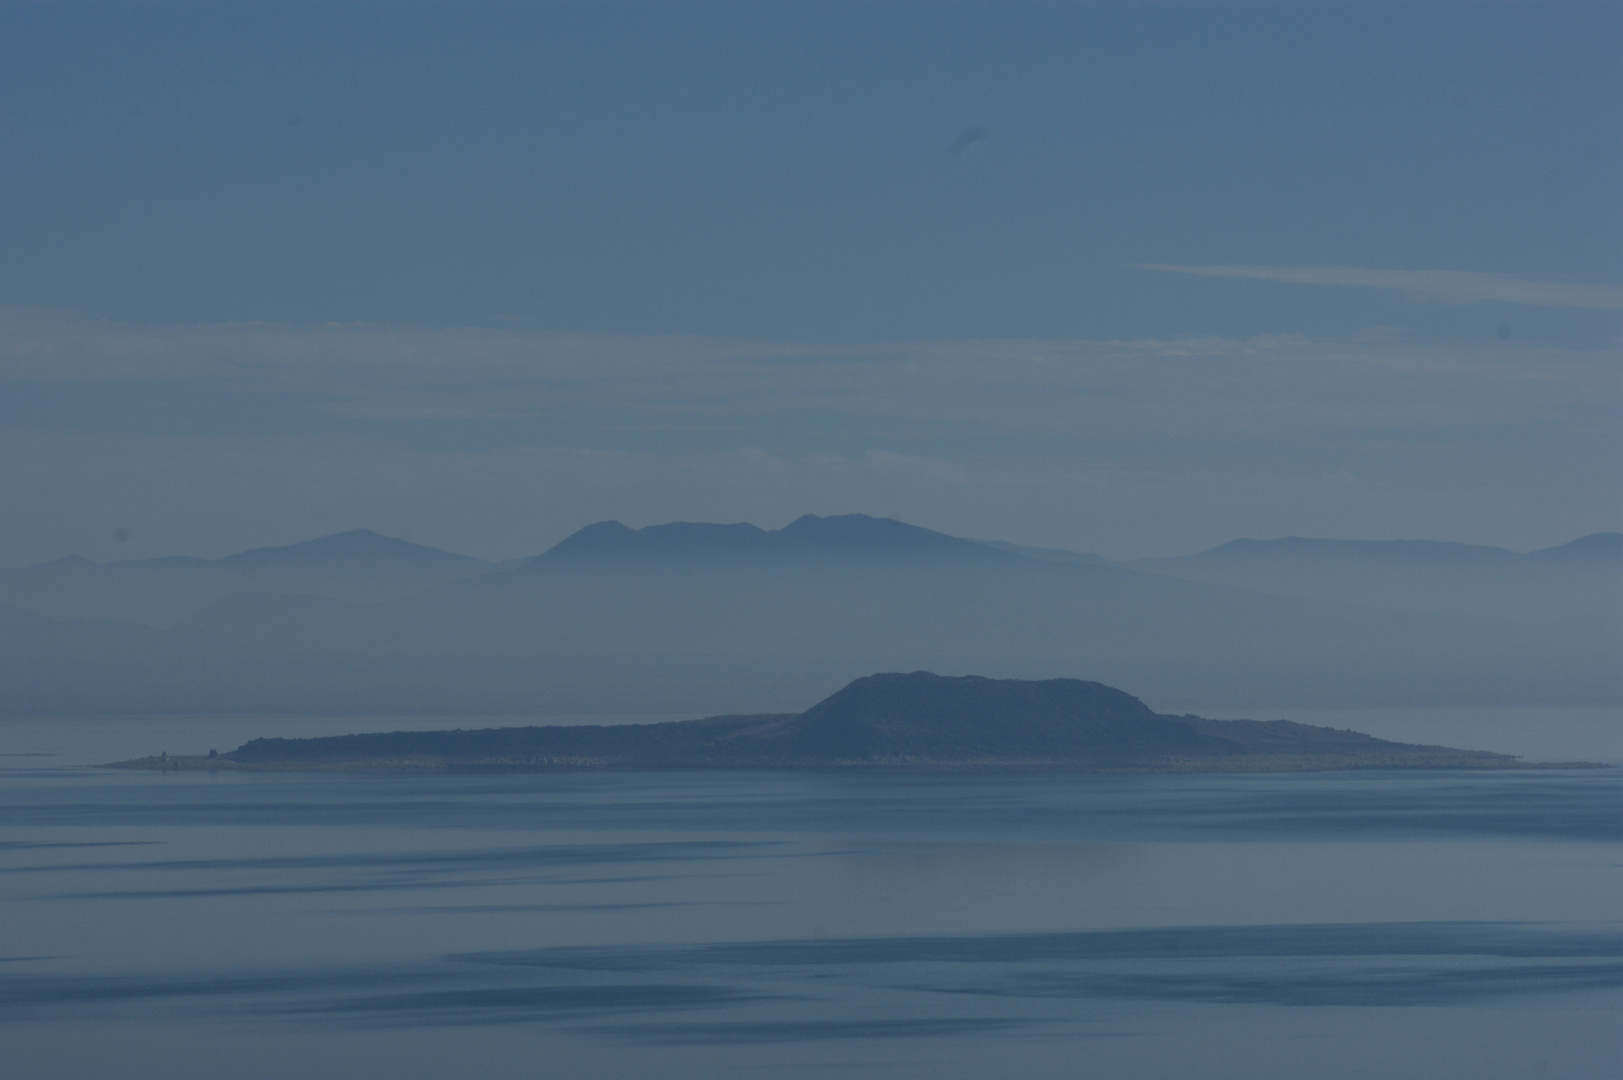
{"x": 917, "y": 721}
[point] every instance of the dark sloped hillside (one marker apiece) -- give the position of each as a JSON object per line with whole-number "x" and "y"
{"x": 934, "y": 717}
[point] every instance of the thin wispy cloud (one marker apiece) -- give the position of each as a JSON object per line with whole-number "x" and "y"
{"x": 1434, "y": 286}
{"x": 597, "y": 388}
{"x": 499, "y": 443}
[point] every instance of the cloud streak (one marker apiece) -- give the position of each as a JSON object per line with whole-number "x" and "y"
{"x": 499, "y": 443}
{"x": 1431, "y": 286}
{"x": 599, "y": 390}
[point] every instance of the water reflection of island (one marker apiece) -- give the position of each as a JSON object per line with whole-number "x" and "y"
{"x": 918, "y": 721}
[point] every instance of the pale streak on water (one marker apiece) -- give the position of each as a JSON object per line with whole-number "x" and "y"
{"x": 675, "y": 925}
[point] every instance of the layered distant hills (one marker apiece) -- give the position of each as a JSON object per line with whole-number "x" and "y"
{"x": 916, "y": 721}
{"x": 358, "y": 565}
{"x": 689, "y": 617}
{"x": 1585, "y": 576}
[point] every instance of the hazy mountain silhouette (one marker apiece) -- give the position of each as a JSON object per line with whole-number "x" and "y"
{"x": 919, "y": 720}
{"x": 27, "y": 637}
{"x": 358, "y": 565}
{"x": 1602, "y": 548}
{"x": 688, "y": 617}
{"x": 1580, "y": 581}
{"x": 358, "y": 548}
{"x": 846, "y": 536}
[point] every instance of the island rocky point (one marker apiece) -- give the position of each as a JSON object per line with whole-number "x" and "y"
{"x": 917, "y": 721}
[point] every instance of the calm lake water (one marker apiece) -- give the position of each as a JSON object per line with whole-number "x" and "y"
{"x": 656, "y": 925}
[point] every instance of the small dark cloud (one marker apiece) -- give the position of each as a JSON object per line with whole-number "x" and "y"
{"x": 966, "y": 138}
{"x": 121, "y": 534}
{"x": 1505, "y": 332}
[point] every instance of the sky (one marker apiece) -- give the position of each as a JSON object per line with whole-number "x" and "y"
{"x": 1129, "y": 278}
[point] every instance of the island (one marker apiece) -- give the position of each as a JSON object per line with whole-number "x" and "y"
{"x": 917, "y": 721}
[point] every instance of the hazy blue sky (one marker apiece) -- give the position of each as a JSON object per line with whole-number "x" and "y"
{"x": 1133, "y": 278}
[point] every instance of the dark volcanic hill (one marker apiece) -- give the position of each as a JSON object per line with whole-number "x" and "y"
{"x": 919, "y": 721}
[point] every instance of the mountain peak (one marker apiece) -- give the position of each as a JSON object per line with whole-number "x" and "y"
{"x": 844, "y": 535}
{"x": 861, "y": 534}
{"x": 1598, "y": 547}
{"x": 678, "y": 539}
{"x": 353, "y": 545}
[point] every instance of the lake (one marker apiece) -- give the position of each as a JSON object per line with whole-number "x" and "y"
{"x": 752, "y": 924}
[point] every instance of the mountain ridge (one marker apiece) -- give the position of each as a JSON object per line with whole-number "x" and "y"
{"x": 364, "y": 541}
{"x": 808, "y": 605}
{"x": 359, "y": 565}
{"x": 808, "y": 536}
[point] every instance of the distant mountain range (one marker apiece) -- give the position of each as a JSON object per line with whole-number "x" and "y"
{"x": 691, "y": 616}
{"x": 1416, "y": 574}
{"x": 915, "y": 721}
{"x": 852, "y": 536}
{"x": 358, "y": 565}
